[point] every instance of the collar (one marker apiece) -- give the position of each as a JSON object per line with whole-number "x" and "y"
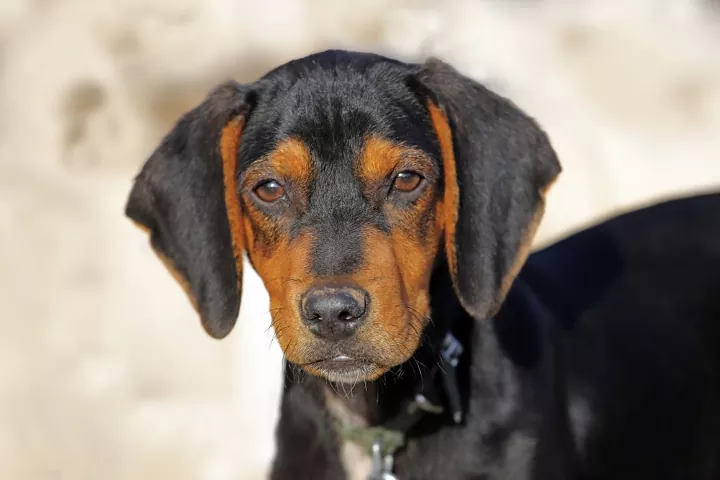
{"x": 383, "y": 441}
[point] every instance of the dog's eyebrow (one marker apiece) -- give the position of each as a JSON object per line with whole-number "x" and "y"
{"x": 380, "y": 157}
{"x": 290, "y": 159}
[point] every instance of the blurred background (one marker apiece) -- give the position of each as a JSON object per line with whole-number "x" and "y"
{"x": 105, "y": 372}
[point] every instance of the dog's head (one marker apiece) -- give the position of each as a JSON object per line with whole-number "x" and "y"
{"x": 344, "y": 177}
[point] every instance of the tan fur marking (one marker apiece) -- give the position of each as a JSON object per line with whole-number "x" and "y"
{"x": 379, "y": 159}
{"x": 291, "y": 158}
{"x": 284, "y": 268}
{"x": 289, "y": 163}
{"x": 142, "y": 227}
{"x": 544, "y": 190}
{"x": 396, "y": 274}
{"x": 451, "y": 196}
{"x": 229, "y": 144}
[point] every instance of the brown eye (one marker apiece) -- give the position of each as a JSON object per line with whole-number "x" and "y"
{"x": 407, "y": 181}
{"x": 270, "y": 191}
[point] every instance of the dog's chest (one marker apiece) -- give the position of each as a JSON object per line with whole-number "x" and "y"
{"x": 355, "y": 459}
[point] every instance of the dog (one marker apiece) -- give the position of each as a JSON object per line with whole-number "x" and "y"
{"x": 389, "y": 209}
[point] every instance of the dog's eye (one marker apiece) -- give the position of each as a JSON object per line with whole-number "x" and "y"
{"x": 407, "y": 181}
{"x": 270, "y": 191}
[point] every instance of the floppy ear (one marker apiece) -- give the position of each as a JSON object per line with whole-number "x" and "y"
{"x": 498, "y": 165}
{"x": 186, "y": 197}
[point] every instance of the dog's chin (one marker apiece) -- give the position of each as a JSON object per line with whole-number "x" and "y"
{"x": 344, "y": 369}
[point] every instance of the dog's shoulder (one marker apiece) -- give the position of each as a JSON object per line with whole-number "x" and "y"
{"x": 639, "y": 314}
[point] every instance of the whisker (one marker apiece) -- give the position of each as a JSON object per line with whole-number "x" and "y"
{"x": 333, "y": 387}
{"x": 440, "y": 367}
{"x": 276, "y": 335}
{"x": 418, "y": 314}
{"x": 418, "y": 365}
{"x": 273, "y": 322}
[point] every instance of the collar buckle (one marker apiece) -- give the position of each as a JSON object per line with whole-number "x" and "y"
{"x": 450, "y": 353}
{"x": 451, "y": 350}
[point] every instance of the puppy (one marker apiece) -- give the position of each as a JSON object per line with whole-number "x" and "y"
{"x": 389, "y": 209}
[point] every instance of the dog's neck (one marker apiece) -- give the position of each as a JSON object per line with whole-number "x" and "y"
{"x": 494, "y": 349}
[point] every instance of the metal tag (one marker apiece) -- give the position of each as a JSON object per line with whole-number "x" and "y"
{"x": 382, "y": 467}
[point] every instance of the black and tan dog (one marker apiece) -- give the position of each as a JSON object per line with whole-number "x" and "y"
{"x": 389, "y": 209}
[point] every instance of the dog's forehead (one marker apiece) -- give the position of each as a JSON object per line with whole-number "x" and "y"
{"x": 335, "y": 116}
{"x": 333, "y": 108}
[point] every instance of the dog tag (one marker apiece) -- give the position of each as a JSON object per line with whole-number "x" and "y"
{"x": 382, "y": 467}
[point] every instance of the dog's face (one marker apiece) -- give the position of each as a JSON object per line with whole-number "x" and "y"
{"x": 344, "y": 177}
{"x": 344, "y": 234}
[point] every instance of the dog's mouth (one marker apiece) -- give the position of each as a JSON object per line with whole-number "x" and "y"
{"x": 345, "y": 369}
{"x": 364, "y": 356}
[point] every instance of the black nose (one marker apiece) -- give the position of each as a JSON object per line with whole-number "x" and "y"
{"x": 333, "y": 313}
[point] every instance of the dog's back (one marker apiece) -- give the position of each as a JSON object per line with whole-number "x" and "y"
{"x": 638, "y": 301}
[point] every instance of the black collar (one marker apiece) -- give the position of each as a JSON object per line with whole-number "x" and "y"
{"x": 426, "y": 398}
{"x": 436, "y": 394}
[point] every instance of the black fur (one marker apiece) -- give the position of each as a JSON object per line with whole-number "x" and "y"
{"x": 602, "y": 361}
{"x": 178, "y": 196}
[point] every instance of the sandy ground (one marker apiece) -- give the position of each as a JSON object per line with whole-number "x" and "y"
{"x": 105, "y": 372}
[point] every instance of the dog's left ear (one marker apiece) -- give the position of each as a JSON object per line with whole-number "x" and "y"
{"x": 498, "y": 165}
{"x": 186, "y": 196}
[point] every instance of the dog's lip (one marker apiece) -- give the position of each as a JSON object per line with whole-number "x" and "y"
{"x": 340, "y": 363}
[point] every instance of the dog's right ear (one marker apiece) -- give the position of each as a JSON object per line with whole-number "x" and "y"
{"x": 186, "y": 196}
{"x": 497, "y": 167}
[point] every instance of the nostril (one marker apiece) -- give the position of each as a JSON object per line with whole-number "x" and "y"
{"x": 333, "y": 304}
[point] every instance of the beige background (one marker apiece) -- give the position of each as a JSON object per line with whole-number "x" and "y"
{"x": 104, "y": 370}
